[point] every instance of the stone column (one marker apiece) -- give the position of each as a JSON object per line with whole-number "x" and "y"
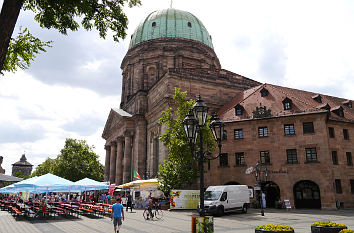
{"x": 112, "y": 170}
{"x": 127, "y": 158}
{"x": 119, "y": 161}
{"x": 107, "y": 161}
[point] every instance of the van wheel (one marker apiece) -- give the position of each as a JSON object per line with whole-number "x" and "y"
{"x": 244, "y": 208}
{"x": 220, "y": 211}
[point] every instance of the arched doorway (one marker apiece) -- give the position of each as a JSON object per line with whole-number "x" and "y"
{"x": 307, "y": 195}
{"x": 272, "y": 193}
{"x": 232, "y": 183}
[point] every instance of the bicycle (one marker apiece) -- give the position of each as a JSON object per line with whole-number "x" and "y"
{"x": 155, "y": 212}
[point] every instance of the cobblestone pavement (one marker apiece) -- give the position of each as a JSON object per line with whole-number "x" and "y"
{"x": 178, "y": 221}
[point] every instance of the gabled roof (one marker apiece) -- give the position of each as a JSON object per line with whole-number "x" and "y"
{"x": 302, "y": 103}
{"x": 115, "y": 116}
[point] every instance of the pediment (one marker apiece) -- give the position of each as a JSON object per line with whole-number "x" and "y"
{"x": 115, "y": 117}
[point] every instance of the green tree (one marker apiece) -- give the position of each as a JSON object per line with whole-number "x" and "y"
{"x": 46, "y": 167}
{"x": 23, "y": 50}
{"x": 77, "y": 161}
{"x": 64, "y": 15}
{"x": 179, "y": 168}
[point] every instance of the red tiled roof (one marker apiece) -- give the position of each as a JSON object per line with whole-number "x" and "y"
{"x": 302, "y": 103}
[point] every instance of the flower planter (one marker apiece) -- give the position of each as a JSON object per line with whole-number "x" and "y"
{"x": 319, "y": 229}
{"x": 264, "y": 231}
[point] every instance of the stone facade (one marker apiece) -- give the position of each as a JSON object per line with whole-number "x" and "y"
{"x": 152, "y": 69}
{"x": 285, "y": 131}
{"x": 23, "y": 166}
{"x": 2, "y": 170}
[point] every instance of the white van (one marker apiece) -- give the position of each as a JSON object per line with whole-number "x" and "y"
{"x": 221, "y": 199}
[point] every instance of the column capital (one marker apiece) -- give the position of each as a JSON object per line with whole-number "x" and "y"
{"x": 113, "y": 143}
{"x": 107, "y": 147}
{"x": 120, "y": 139}
{"x": 128, "y": 133}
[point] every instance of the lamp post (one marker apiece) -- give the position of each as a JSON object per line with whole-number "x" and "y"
{"x": 259, "y": 179}
{"x": 193, "y": 123}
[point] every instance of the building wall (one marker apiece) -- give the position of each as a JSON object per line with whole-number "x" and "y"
{"x": 283, "y": 174}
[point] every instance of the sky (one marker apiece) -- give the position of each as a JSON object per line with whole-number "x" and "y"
{"x": 69, "y": 90}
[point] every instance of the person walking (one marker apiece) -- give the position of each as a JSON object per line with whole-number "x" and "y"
{"x": 129, "y": 202}
{"x": 117, "y": 215}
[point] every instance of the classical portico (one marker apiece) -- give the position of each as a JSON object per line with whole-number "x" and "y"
{"x": 124, "y": 151}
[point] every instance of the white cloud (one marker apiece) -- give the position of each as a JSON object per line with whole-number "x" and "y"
{"x": 300, "y": 44}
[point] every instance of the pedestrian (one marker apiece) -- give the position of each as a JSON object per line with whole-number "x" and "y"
{"x": 129, "y": 202}
{"x": 108, "y": 199}
{"x": 117, "y": 215}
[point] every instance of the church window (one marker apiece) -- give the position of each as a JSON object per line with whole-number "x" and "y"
{"x": 291, "y": 156}
{"x": 238, "y": 110}
{"x": 334, "y": 158}
{"x": 264, "y": 92}
{"x": 224, "y": 160}
{"x": 338, "y": 186}
{"x": 287, "y": 103}
{"x": 339, "y": 111}
{"x": 156, "y": 155}
{"x": 317, "y": 98}
{"x": 240, "y": 158}
{"x": 331, "y": 132}
{"x": 349, "y": 158}
{"x": 345, "y": 134}
{"x": 311, "y": 155}
{"x": 289, "y": 129}
{"x": 348, "y": 103}
{"x": 238, "y": 133}
{"x": 189, "y": 24}
{"x": 265, "y": 158}
{"x": 263, "y": 132}
{"x": 154, "y": 24}
{"x": 224, "y": 135}
{"x": 308, "y": 127}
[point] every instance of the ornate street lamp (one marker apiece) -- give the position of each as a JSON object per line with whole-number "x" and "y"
{"x": 193, "y": 124}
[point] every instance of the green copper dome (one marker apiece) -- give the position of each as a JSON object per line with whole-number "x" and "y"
{"x": 171, "y": 23}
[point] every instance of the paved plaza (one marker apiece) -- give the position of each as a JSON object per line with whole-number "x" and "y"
{"x": 178, "y": 221}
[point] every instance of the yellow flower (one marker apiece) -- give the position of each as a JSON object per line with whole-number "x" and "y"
{"x": 274, "y": 227}
{"x": 328, "y": 224}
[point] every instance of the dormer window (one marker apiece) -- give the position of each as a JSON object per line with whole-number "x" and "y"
{"x": 264, "y": 92}
{"x": 325, "y": 107}
{"x": 317, "y": 98}
{"x": 339, "y": 111}
{"x": 239, "y": 110}
{"x": 154, "y": 24}
{"x": 287, "y": 103}
{"x": 189, "y": 24}
{"x": 348, "y": 103}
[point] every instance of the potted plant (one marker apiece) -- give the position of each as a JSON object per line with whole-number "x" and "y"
{"x": 327, "y": 227}
{"x": 346, "y": 231}
{"x": 273, "y": 228}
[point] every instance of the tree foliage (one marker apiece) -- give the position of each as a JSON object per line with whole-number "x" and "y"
{"x": 23, "y": 50}
{"x": 62, "y": 15}
{"x": 102, "y": 15}
{"x": 179, "y": 168}
{"x": 46, "y": 167}
{"x": 75, "y": 162}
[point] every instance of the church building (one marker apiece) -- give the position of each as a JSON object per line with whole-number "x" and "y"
{"x": 172, "y": 49}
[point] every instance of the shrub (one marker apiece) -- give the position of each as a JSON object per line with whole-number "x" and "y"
{"x": 274, "y": 227}
{"x": 328, "y": 224}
